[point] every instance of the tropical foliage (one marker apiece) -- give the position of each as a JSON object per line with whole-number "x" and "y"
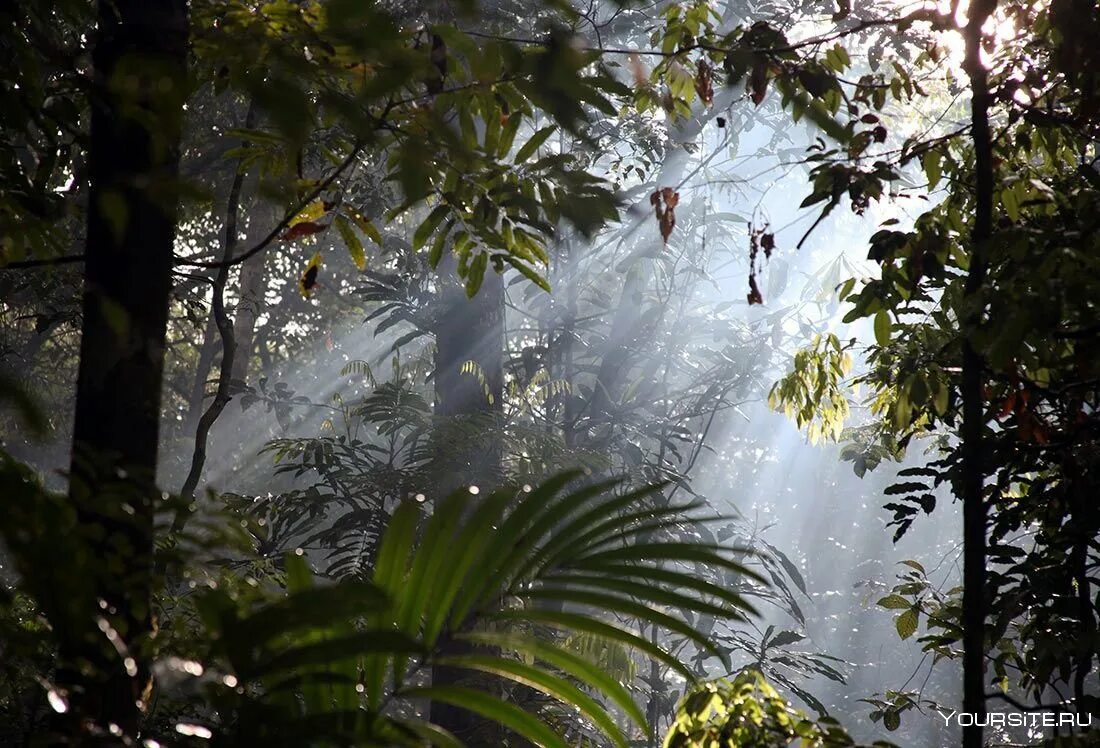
{"x": 461, "y": 273}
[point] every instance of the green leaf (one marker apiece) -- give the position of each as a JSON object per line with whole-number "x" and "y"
{"x": 471, "y": 544}
{"x": 589, "y": 625}
{"x": 429, "y": 225}
{"x": 508, "y": 135}
{"x": 414, "y": 598}
{"x": 476, "y": 274}
{"x": 673, "y": 578}
{"x": 435, "y": 254}
{"x": 932, "y": 161}
{"x": 528, "y": 272}
{"x": 299, "y": 575}
{"x": 647, "y": 592}
{"x": 584, "y": 530}
{"x": 907, "y": 622}
{"x": 541, "y": 680}
{"x": 326, "y": 652}
{"x": 613, "y": 603}
{"x": 940, "y": 396}
{"x": 535, "y": 516}
{"x": 819, "y": 114}
{"x": 311, "y": 607}
{"x": 434, "y": 734}
{"x": 490, "y": 707}
{"x": 566, "y": 661}
{"x": 355, "y": 247}
{"x": 469, "y": 130}
{"x": 491, "y": 117}
{"x": 893, "y": 602}
{"x": 882, "y": 327}
{"x": 533, "y": 143}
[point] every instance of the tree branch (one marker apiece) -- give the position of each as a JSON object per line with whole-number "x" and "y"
{"x": 972, "y": 483}
{"x": 229, "y": 343}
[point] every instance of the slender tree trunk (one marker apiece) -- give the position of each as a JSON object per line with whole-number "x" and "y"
{"x": 626, "y": 327}
{"x": 208, "y": 350}
{"x": 1083, "y": 521}
{"x": 223, "y": 394}
{"x": 973, "y": 405}
{"x": 469, "y": 380}
{"x": 139, "y": 68}
{"x": 468, "y": 406}
{"x": 252, "y": 283}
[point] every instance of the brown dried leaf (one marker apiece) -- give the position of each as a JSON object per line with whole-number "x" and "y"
{"x": 704, "y": 82}
{"x": 754, "y": 295}
{"x": 758, "y": 81}
{"x": 664, "y": 202}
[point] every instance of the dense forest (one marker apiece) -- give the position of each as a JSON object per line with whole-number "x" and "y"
{"x": 560, "y": 373}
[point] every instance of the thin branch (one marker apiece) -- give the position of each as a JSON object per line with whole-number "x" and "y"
{"x": 281, "y": 225}
{"x": 938, "y": 20}
{"x": 229, "y": 343}
{"x": 1025, "y": 707}
{"x": 42, "y": 262}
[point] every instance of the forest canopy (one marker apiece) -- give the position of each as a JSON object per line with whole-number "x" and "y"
{"x": 550, "y": 373}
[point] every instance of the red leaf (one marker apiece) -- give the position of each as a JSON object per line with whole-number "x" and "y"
{"x": 303, "y": 229}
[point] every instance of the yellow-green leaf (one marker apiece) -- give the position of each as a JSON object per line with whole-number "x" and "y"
{"x": 351, "y": 240}
{"x": 311, "y": 212}
{"x": 366, "y": 225}
{"x": 893, "y": 602}
{"x": 907, "y": 623}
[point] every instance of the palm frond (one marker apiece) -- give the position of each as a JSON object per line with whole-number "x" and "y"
{"x": 514, "y": 575}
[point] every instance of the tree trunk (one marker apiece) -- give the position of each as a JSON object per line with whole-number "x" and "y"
{"x": 207, "y": 353}
{"x": 468, "y": 407}
{"x": 224, "y": 393}
{"x": 139, "y": 66}
{"x": 252, "y": 283}
{"x": 469, "y": 381}
{"x": 972, "y": 482}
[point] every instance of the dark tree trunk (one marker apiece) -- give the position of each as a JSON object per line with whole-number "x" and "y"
{"x": 469, "y": 382}
{"x": 208, "y": 351}
{"x": 468, "y": 406}
{"x": 252, "y": 282}
{"x": 1083, "y": 521}
{"x": 224, "y": 393}
{"x": 139, "y": 64}
{"x": 972, "y": 484}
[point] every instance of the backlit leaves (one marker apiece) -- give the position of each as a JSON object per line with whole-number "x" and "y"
{"x": 814, "y": 393}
